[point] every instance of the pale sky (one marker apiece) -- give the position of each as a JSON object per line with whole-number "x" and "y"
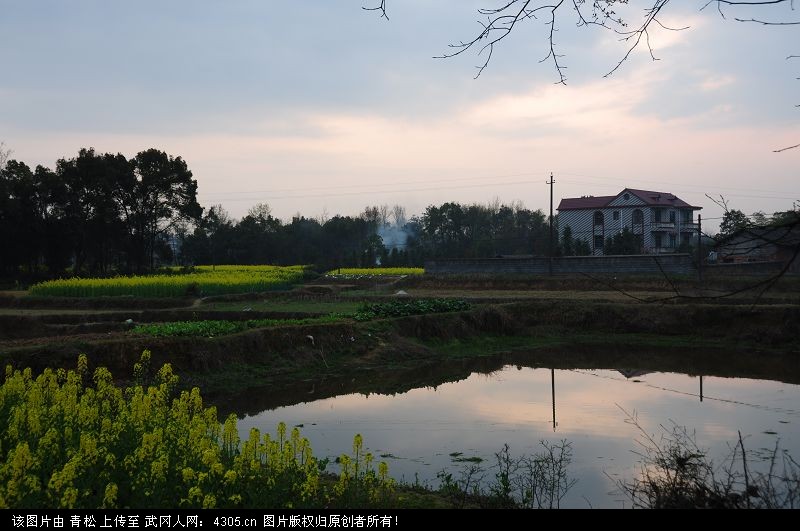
{"x": 320, "y": 107}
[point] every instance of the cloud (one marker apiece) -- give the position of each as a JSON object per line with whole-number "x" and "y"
{"x": 554, "y": 109}
{"x": 344, "y": 160}
{"x": 715, "y": 82}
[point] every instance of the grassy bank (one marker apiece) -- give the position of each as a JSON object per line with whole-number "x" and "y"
{"x": 731, "y": 340}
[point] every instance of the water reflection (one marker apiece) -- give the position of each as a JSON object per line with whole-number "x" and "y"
{"x": 553, "y": 393}
{"x": 416, "y": 431}
{"x": 399, "y": 379}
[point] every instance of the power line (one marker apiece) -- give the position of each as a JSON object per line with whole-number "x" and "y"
{"x": 372, "y": 185}
{"x": 375, "y": 192}
{"x": 763, "y": 407}
{"x": 378, "y": 188}
{"x": 694, "y": 191}
{"x": 660, "y": 183}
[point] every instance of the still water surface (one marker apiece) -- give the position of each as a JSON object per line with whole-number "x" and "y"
{"x": 419, "y": 429}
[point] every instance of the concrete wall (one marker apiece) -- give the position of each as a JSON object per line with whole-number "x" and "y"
{"x": 761, "y": 269}
{"x": 672, "y": 263}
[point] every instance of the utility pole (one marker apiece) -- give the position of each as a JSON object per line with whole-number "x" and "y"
{"x": 552, "y": 248}
{"x": 699, "y": 248}
{"x": 553, "y": 394}
{"x": 701, "y": 388}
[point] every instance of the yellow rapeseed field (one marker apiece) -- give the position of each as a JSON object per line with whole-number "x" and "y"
{"x": 374, "y": 271}
{"x": 204, "y": 280}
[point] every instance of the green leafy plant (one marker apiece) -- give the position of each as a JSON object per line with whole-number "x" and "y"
{"x": 212, "y": 328}
{"x": 401, "y": 308}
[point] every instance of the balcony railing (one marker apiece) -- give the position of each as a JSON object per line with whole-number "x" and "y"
{"x": 662, "y": 225}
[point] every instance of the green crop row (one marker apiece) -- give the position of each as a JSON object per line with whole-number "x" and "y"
{"x": 213, "y": 328}
{"x": 400, "y": 308}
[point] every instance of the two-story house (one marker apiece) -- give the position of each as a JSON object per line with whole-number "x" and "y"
{"x": 662, "y": 220}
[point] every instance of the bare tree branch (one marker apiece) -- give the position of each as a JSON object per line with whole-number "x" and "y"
{"x": 500, "y": 21}
{"x": 636, "y": 35}
{"x": 786, "y": 148}
{"x": 722, "y": 202}
{"x": 499, "y": 24}
{"x": 758, "y": 3}
{"x": 552, "y": 53}
{"x": 5, "y": 153}
{"x": 381, "y": 8}
{"x": 767, "y": 23}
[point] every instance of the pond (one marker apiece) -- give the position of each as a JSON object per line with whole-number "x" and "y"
{"x": 425, "y": 430}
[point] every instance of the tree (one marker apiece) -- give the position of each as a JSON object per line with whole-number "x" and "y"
{"x": 582, "y": 247}
{"x": 624, "y": 242}
{"x": 567, "y": 247}
{"x": 20, "y": 216}
{"x": 212, "y": 241}
{"x": 5, "y": 153}
{"x": 92, "y": 208}
{"x": 160, "y": 193}
{"x": 786, "y": 217}
{"x": 260, "y": 212}
{"x": 732, "y": 221}
{"x": 256, "y": 236}
{"x": 399, "y": 215}
{"x": 759, "y": 219}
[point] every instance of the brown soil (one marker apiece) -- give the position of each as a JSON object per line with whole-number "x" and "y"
{"x": 13, "y": 300}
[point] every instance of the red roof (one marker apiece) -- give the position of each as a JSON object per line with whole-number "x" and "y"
{"x": 650, "y": 198}
{"x": 590, "y": 201}
{"x": 659, "y": 198}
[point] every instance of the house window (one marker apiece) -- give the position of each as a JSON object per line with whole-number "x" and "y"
{"x": 672, "y": 240}
{"x": 657, "y": 215}
{"x": 638, "y": 217}
{"x": 686, "y": 216}
{"x": 672, "y": 216}
{"x": 626, "y": 197}
{"x": 598, "y": 241}
{"x": 616, "y": 215}
{"x": 599, "y": 218}
{"x": 657, "y": 238}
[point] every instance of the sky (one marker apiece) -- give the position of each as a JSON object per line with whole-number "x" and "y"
{"x": 322, "y": 108}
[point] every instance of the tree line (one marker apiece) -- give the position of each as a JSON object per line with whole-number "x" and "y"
{"x": 105, "y": 214}
{"x": 93, "y": 214}
{"x": 380, "y": 235}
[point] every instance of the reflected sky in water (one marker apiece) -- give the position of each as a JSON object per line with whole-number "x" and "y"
{"x": 477, "y": 415}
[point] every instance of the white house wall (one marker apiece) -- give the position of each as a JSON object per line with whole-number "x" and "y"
{"x": 579, "y": 221}
{"x": 582, "y": 224}
{"x": 632, "y": 201}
